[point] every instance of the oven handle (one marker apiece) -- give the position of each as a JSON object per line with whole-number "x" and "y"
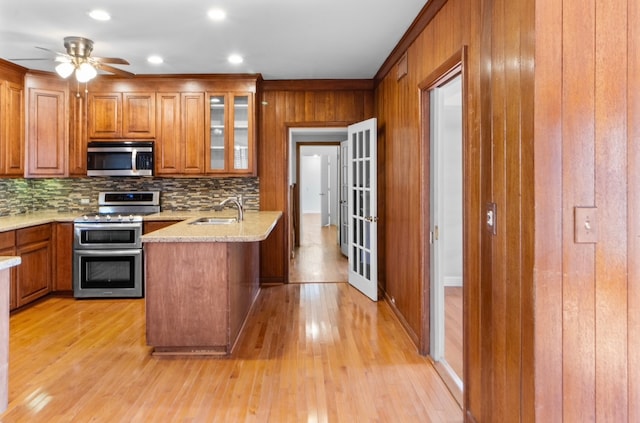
{"x": 108, "y": 253}
{"x": 107, "y": 225}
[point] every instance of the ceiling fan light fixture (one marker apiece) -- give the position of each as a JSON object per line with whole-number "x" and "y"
{"x": 85, "y": 72}
{"x": 65, "y": 69}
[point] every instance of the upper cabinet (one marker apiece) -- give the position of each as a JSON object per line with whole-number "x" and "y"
{"x": 180, "y": 134}
{"x": 12, "y": 112}
{"x": 47, "y": 129}
{"x": 121, "y": 115}
{"x": 231, "y": 143}
{"x": 201, "y": 126}
{"x": 12, "y": 129}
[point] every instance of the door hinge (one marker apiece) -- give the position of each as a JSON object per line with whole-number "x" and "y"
{"x": 433, "y": 235}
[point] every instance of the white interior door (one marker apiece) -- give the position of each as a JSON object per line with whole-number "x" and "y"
{"x": 344, "y": 197}
{"x": 363, "y": 232}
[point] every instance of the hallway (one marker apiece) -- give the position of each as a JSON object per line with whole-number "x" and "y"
{"x": 318, "y": 259}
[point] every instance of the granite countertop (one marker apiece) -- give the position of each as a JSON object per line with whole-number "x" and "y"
{"x": 256, "y": 226}
{"x": 9, "y": 261}
{"x": 10, "y": 223}
{"x": 179, "y": 215}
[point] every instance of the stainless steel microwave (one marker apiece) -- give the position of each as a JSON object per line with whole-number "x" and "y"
{"x": 120, "y": 158}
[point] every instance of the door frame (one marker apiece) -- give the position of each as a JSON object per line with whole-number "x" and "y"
{"x": 457, "y": 63}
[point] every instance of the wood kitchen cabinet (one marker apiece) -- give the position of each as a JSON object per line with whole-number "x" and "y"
{"x": 34, "y": 274}
{"x": 231, "y": 143}
{"x": 12, "y": 119}
{"x": 12, "y": 134}
{"x": 63, "y": 253}
{"x": 202, "y": 126}
{"x": 78, "y": 135}
{"x": 180, "y": 135}
{"x": 154, "y": 225}
{"x": 47, "y": 136}
{"x": 7, "y": 248}
{"x": 121, "y": 115}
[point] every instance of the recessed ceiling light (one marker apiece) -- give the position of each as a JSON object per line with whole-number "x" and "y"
{"x": 235, "y": 59}
{"x": 217, "y": 14}
{"x": 99, "y": 15}
{"x": 156, "y": 60}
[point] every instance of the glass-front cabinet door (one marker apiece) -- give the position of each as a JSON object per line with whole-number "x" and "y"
{"x": 231, "y": 134}
{"x": 241, "y": 132}
{"x": 218, "y": 125}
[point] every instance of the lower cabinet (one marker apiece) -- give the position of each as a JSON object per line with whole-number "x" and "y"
{"x": 8, "y": 248}
{"x": 63, "y": 253}
{"x": 34, "y": 275}
{"x": 154, "y": 225}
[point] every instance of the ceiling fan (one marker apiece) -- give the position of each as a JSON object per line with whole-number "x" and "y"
{"x": 78, "y": 58}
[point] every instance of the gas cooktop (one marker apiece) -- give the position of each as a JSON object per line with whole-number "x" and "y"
{"x": 124, "y": 206}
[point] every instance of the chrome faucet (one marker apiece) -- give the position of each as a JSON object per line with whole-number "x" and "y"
{"x": 238, "y": 203}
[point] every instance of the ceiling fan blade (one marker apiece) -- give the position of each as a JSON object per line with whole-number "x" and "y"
{"x": 114, "y": 60}
{"x": 30, "y": 58}
{"x": 113, "y": 70}
{"x": 50, "y": 51}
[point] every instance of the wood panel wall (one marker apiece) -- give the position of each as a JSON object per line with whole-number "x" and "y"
{"x": 505, "y": 301}
{"x": 553, "y": 122}
{"x": 406, "y": 163}
{"x": 587, "y": 154}
{"x": 285, "y": 105}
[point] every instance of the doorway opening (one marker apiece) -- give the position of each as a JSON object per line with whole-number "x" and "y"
{"x": 443, "y": 134}
{"x": 315, "y": 213}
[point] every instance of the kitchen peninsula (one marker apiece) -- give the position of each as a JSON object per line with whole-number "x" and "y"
{"x": 6, "y": 263}
{"x": 201, "y": 281}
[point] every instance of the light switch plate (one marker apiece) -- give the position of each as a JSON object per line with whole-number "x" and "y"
{"x": 491, "y": 218}
{"x": 586, "y": 225}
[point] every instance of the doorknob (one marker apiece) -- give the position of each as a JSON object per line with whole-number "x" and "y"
{"x": 371, "y": 218}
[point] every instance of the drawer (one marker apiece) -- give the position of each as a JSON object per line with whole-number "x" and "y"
{"x": 7, "y": 239}
{"x": 33, "y": 234}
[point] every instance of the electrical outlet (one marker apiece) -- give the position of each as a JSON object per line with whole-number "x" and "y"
{"x": 84, "y": 201}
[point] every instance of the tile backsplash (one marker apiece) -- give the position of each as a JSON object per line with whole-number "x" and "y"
{"x": 19, "y": 196}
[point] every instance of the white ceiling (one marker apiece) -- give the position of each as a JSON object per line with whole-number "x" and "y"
{"x": 280, "y": 39}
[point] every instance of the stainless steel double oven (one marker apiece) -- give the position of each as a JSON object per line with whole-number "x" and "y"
{"x": 107, "y": 255}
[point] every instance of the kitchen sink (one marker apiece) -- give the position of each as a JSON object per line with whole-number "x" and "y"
{"x": 214, "y": 221}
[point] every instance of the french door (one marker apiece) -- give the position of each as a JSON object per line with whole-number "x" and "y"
{"x": 363, "y": 226}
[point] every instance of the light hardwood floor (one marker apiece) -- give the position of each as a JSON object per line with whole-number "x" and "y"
{"x": 318, "y": 259}
{"x": 310, "y": 353}
{"x": 453, "y": 328}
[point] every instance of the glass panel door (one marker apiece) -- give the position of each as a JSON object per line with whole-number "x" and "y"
{"x": 241, "y": 132}
{"x": 363, "y": 241}
{"x": 217, "y": 135}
